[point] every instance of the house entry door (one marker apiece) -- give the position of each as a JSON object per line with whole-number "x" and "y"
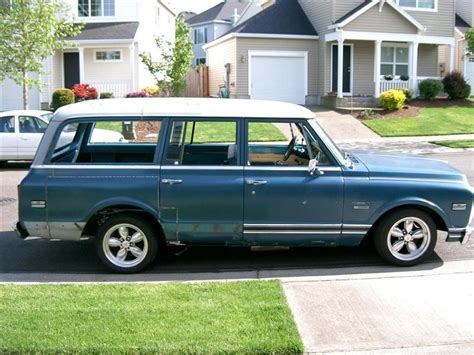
{"x": 71, "y": 70}
{"x": 346, "y": 70}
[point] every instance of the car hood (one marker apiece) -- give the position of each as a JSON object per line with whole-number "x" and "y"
{"x": 407, "y": 166}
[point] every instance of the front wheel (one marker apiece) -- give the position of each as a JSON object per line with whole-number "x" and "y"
{"x": 406, "y": 237}
{"x": 126, "y": 244}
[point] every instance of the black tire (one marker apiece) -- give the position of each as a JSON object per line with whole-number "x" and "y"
{"x": 407, "y": 256}
{"x": 110, "y": 234}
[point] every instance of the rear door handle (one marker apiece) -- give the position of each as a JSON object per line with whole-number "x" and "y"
{"x": 256, "y": 182}
{"x": 171, "y": 181}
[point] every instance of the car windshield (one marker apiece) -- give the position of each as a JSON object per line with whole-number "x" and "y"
{"x": 47, "y": 117}
{"x": 339, "y": 153}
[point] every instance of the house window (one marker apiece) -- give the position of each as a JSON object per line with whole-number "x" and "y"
{"x": 394, "y": 61}
{"x": 200, "y": 35}
{"x": 200, "y": 61}
{"x": 108, "y": 56}
{"x": 419, "y": 4}
{"x": 93, "y": 8}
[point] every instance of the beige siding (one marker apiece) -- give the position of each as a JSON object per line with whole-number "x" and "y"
{"x": 428, "y": 60}
{"x": 364, "y": 52}
{"x": 320, "y": 13}
{"x": 439, "y": 23}
{"x": 465, "y": 8}
{"x": 460, "y": 50}
{"x": 342, "y": 7}
{"x": 388, "y": 20}
{"x": 106, "y": 71}
{"x": 217, "y": 57}
{"x": 246, "y": 44}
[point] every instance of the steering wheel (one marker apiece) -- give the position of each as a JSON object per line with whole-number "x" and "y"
{"x": 289, "y": 150}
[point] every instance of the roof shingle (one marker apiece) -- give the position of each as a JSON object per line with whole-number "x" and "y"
{"x": 107, "y": 30}
{"x": 221, "y": 12}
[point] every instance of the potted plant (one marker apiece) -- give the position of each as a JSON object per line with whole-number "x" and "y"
{"x": 388, "y": 77}
{"x": 332, "y": 94}
{"x": 404, "y": 77}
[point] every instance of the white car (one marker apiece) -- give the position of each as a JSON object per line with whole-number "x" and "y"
{"x": 21, "y": 132}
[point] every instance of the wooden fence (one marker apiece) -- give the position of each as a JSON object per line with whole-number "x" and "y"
{"x": 197, "y": 82}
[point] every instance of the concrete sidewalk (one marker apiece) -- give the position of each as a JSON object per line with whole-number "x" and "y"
{"x": 351, "y": 134}
{"x": 426, "y": 312}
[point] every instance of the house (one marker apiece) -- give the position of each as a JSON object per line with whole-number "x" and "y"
{"x": 105, "y": 54}
{"x": 464, "y": 22}
{"x": 301, "y": 51}
{"x": 214, "y": 22}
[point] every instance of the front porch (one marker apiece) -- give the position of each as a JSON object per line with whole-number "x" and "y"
{"x": 365, "y": 64}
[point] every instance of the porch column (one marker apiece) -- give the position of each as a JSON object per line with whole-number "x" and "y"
{"x": 377, "y": 61}
{"x": 340, "y": 68}
{"x": 81, "y": 65}
{"x": 451, "y": 57}
{"x": 414, "y": 67}
{"x": 131, "y": 52}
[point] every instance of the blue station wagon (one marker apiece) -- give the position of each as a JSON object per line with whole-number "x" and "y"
{"x": 234, "y": 173}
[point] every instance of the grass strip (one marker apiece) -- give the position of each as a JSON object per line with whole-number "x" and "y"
{"x": 430, "y": 122}
{"x": 467, "y": 143}
{"x": 242, "y": 317}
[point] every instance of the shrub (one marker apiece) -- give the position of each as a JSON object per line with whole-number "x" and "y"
{"x": 137, "y": 94}
{"x": 392, "y": 100}
{"x": 62, "y": 97}
{"x": 408, "y": 94}
{"x": 430, "y": 88}
{"x": 456, "y": 86}
{"x": 153, "y": 90}
{"x": 84, "y": 92}
{"x": 368, "y": 114}
{"x": 106, "y": 95}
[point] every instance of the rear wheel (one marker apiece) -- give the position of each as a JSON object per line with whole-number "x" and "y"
{"x": 126, "y": 244}
{"x": 406, "y": 237}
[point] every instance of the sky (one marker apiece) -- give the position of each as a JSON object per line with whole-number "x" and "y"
{"x": 196, "y": 6}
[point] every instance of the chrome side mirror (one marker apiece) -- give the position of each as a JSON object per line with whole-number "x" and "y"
{"x": 313, "y": 167}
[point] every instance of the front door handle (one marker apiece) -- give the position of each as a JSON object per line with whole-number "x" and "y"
{"x": 171, "y": 181}
{"x": 256, "y": 182}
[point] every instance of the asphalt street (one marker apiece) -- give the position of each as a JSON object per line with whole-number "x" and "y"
{"x": 22, "y": 260}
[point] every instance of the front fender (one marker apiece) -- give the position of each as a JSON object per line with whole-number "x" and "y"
{"x": 410, "y": 201}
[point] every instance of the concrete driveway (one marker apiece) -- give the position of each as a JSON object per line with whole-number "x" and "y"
{"x": 415, "y": 312}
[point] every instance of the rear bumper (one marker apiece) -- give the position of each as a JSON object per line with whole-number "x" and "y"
{"x": 20, "y": 231}
{"x": 461, "y": 235}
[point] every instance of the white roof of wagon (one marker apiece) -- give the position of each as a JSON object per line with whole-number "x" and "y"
{"x": 183, "y": 107}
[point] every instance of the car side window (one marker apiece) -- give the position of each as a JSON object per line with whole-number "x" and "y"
{"x": 124, "y": 141}
{"x": 285, "y": 144}
{"x": 7, "y": 124}
{"x": 202, "y": 143}
{"x": 30, "y": 124}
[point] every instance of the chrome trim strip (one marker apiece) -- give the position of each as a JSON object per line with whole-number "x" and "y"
{"x": 269, "y": 231}
{"x": 354, "y": 232}
{"x": 202, "y": 167}
{"x": 285, "y": 168}
{"x": 92, "y": 167}
{"x": 357, "y": 226}
{"x": 322, "y": 226}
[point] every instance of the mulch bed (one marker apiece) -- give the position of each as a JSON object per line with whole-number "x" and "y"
{"x": 413, "y": 109}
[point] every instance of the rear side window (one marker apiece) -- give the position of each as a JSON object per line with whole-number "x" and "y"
{"x": 125, "y": 141}
{"x": 30, "y": 124}
{"x": 202, "y": 143}
{"x": 7, "y": 124}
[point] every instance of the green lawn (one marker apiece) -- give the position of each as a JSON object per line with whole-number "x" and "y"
{"x": 242, "y": 317}
{"x": 468, "y": 143}
{"x": 430, "y": 122}
{"x": 212, "y": 132}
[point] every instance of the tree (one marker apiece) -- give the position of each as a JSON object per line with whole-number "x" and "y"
{"x": 470, "y": 40}
{"x": 30, "y": 32}
{"x": 170, "y": 71}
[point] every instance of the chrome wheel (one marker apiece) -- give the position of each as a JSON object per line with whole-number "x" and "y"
{"x": 409, "y": 238}
{"x": 125, "y": 245}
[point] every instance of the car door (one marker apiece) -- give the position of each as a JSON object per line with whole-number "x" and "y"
{"x": 31, "y": 130}
{"x": 201, "y": 187}
{"x": 8, "y": 137}
{"x": 284, "y": 204}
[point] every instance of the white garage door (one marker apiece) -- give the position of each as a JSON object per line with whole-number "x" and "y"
{"x": 470, "y": 71}
{"x": 279, "y": 78}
